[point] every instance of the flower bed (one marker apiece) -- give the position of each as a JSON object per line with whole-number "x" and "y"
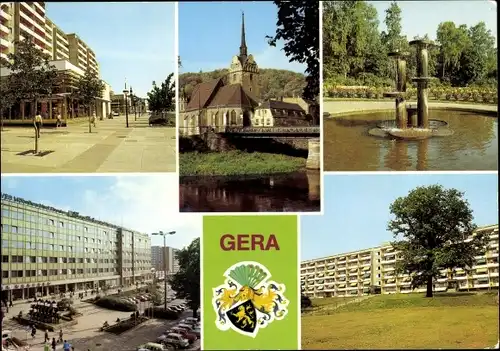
{"x": 437, "y": 93}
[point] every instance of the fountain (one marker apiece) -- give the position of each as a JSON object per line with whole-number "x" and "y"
{"x": 411, "y": 123}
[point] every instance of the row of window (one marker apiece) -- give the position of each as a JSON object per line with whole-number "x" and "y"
{"x": 56, "y": 272}
{"x": 41, "y": 259}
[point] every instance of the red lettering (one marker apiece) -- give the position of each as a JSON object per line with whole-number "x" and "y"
{"x": 227, "y": 242}
{"x": 272, "y": 243}
{"x": 248, "y": 242}
{"x": 243, "y": 241}
{"x": 258, "y": 241}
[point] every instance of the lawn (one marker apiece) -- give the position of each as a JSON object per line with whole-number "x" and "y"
{"x": 237, "y": 163}
{"x": 399, "y": 321}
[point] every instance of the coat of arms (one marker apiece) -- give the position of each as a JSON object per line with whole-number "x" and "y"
{"x": 248, "y": 300}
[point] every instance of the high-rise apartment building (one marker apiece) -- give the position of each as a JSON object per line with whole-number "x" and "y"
{"x": 157, "y": 259}
{"x": 356, "y": 273}
{"x": 81, "y": 55}
{"x": 46, "y": 250}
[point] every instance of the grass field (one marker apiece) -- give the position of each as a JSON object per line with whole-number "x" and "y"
{"x": 448, "y": 320}
{"x": 237, "y": 163}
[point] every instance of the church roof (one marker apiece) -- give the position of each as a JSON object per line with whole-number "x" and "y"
{"x": 202, "y": 93}
{"x": 281, "y": 105}
{"x": 233, "y": 95}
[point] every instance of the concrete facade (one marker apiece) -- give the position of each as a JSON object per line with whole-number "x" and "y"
{"x": 46, "y": 250}
{"x": 157, "y": 259}
{"x": 353, "y": 273}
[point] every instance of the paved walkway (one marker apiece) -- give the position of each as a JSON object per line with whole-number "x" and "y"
{"x": 339, "y": 107}
{"x": 111, "y": 147}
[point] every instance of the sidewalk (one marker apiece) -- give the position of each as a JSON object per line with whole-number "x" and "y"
{"x": 110, "y": 147}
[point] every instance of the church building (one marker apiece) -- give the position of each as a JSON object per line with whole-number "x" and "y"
{"x": 234, "y": 101}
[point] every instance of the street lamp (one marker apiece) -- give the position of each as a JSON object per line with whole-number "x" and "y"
{"x": 125, "y": 92}
{"x": 164, "y": 259}
{"x": 132, "y": 97}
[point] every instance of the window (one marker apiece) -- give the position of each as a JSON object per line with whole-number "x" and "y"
{"x": 52, "y": 259}
{"x": 50, "y": 221}
{"x": 16, "y": 274}
{"x": 30, "y": 273}
{"x": 53, "y": 272}
{"x": 5, "y": 259}
{"x": 31, "y": 259}
{"x": 61, "y": 224}
{"x": 5, "y": 274}
{"x": 72, "y": 260}
{"x": 14, "y": 229}
{"x": 17, "y": 259}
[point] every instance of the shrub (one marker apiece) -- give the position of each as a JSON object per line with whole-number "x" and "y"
{"x": 64, "y": 304}
{"x": 159, "y": 312}
{"x": 125, "y": 325}
{"x": 116, "y": 303}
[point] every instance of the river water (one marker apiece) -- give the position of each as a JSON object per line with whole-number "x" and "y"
{"x": 291, "y": 192}
{"x": 473, "y": 146}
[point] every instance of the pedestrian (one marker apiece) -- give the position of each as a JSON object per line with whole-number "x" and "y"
{"x": 60, "y": 335}
{"x": 66, "y": 346}
{"x": 38, "y": 123}
{"x": 54, "y": 344}
{"x": 58, "y": 120}
{"x": 47, "y": 335}
{"x": 33, "y": 332}
{"x": 92, "y": 120}
{"x": 11, "y": 304}
{"x": 46, "y": 347}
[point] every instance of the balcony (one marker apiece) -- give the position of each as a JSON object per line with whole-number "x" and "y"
{"x": 28, "y": 9}
{"x": 4, "y": 29}
{"x": 320, "y": 264}
{"x": 388, "y": 269}
{"x": 5, "y": 43}
{"x": 4, "y": 56}
{"x": 494, "y": 235}
{"x": 5, "y": 15}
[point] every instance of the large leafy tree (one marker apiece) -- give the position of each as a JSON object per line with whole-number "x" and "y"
{"x": 434, "y": 230}
{"x": 162, "y": 98}
{"x": 186, "y": 282}
{"x": 8, "y": 97}
{"x": 31, "y": 75}
{"x": 89, "y": 87}
{"x": 298, "y": 27}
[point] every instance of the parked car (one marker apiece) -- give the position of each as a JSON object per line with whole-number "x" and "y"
{"x": 176, "y": 308}
{"x": 186, "y": 334}
{"x": 152, "y": 346}
{"x": 191, "y": 320}
{"x": 185, "y": 326}
{"x": 197, "y": 331}
{"x": 177, "y": 340}
{"x": 115, "y": 113}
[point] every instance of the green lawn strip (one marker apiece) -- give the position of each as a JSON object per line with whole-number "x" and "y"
{"x": 237, "y": 163}
{"x": 325, "y": 99}
{"x": 406, "y": 321}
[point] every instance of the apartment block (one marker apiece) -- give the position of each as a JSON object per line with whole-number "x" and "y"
{"x": 47, "y": 250}
{"x": 160, "y": 254}
{"x": 6, "y": 29}
{"x": 81, "y": 55}
{"x": 359, "y": 272}
{"x": 60, "y": 44}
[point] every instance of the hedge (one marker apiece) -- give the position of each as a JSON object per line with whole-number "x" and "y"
{"x": 159, "y": 312}
{"x": 125, "y": 325}
{"x": 116, "y": 303}
{"x": 467, "y": 94}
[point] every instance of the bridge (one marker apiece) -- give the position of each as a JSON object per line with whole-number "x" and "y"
{"x": 256, "y": 132}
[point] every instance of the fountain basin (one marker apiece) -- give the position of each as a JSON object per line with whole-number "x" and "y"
{"x": 389, "y": 128}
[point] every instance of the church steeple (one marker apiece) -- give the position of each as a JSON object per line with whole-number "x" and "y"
{"x": 243, "y": 45}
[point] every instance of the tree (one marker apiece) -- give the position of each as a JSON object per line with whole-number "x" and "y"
{"x": 186, "y": 282}
{"x": 392, "y": 38}
{"x": 453, "y": 41}
{"x": 162, "y": 98}
{"x": 31, "y": 75}
{"x": 89, "y": 87}
{"x": 437, "y": 230}
{"x": 298, "y": 27}
{"x": 8, "y": 97}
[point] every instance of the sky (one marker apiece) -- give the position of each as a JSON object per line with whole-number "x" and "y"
{"x": 210, "y": 35}
{"x": 129, "y": 201}
{"x": 423, "y": 17}
{"x": 356, "y": 208}
{"x": 133, "y": 41}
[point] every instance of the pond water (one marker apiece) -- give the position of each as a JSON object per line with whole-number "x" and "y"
{"x": 473, "y": 146}
{"x": 291, "y": 192}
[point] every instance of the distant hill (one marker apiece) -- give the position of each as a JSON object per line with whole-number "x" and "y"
{"x": 273, "y": 83}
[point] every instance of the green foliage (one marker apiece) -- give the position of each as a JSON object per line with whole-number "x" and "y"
{"x": 116, "y": 303}
{"x": 31, "y": 78}
{"x": 353, "y": 47}
{"x": 430, "y": 226}
{"x": 186, "y": 282}
{"x": 64, "y": 304}
{"x": 273, "y": 83}
{"x": 237, "y": 163}
{"x": 298, "y": 27}
{"x": 89, "y": 87}
{"x": 160, "y": 312}
{"x": 162, "y": 99}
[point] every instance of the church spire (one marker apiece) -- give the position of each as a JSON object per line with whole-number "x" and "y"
{"x": 243, "y": 46}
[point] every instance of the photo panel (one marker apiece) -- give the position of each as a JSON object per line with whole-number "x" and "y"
{"x": 102, "y": 262}
{"x": 405, "y": 91}
{"x": 395, "y": 259}
{"x": 249, "y": 125}
{"x": 88, "y": 87}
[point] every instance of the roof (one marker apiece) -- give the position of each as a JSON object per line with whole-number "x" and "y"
{"x": 281, "y": 105}
{"x": 233, "y": 95}
{"x": 202, "y": 94}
